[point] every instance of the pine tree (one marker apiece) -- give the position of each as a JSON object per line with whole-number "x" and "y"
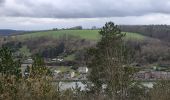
{"x": 39, "y": 68}
{"x": 108, "y": 62}
{"x": 9, "y": 65}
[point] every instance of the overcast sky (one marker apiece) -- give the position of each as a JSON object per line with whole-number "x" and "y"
{"x": 46, "y": 14}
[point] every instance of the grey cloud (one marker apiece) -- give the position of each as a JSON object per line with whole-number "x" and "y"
{"x": 26, "y": 23}
{"x": 82, "y": 8}
{"x": 2, "y": 2}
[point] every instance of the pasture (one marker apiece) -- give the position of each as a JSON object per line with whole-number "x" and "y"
{"x": 85, "y": 34}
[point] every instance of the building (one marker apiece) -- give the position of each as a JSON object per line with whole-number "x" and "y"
{"x": 143, "y": 75}
{"x": 57, "y": 71}
{"x": 72, "y": 74}
{"x": 28, "y": 61}
{"x": 160, "y": 75}
{"x": 152, "y": 75}
{"x": 83, "y": 70}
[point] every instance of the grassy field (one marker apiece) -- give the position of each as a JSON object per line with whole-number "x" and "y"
{"x": 85, "y": 34}
{"x": 70, "y": 58}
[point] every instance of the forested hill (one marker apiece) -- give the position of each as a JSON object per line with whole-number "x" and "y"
{"x": 161, "y": 32}
{"x": 7, "y": 32}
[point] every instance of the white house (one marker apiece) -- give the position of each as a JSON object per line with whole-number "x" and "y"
{"x": 57, "y": 71}
{"x": 83, "y": 70}
{"x": 72, "y": 74}
{"x": 54, "y": 60}
{"x": 60, "y": 59}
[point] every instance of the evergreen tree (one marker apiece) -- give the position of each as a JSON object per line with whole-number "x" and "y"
{"x": 9, "y": 65}
{"x": 109, "y": 61}
{"x": 39, "y": 68}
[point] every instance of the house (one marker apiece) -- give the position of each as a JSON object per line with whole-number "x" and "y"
{"x": 69, "y": 75}
{"x": 143, "y": 75}
{"x": 57, "y": 71}
{"x": 160, "y": 75}
{"x": 72, "y": 74}
{"x": 57, "y": 59}
{"x": 60, "y": 60}
{"x": 83, "y": 70}
{"x": 54, "y": 60}
{"x": 25, "y": 65}
{"x": 28, "y": 61}
{"x": 152, "y": 75}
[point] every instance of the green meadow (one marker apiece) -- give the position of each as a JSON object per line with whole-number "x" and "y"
{"x": 85, "y": 34}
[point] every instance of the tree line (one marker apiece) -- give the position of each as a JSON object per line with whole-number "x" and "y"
{"x": 156, "y": 31}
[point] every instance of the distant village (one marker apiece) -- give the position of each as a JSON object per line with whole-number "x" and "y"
{"x": 59, "y": 72}
{"x": 81, "y": 73}
{"x": 151, "y": 73}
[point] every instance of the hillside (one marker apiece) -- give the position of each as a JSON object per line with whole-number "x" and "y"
{"x": 85, "y": 34}
{"x": 7, "y": 32}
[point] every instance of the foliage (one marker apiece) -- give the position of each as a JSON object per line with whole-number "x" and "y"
{"x": 109, "y": 63}
{"x": 53, "y": 52}
{"x": 155, "y": 31}
{"x": 111, "y": 75}
{"x": 15, "y": 87}
{"x": 38, "y": 68}
{"x": 8, "y": 64}
{"x": 24, "y": 52}
{"x": 160, "y": 90}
